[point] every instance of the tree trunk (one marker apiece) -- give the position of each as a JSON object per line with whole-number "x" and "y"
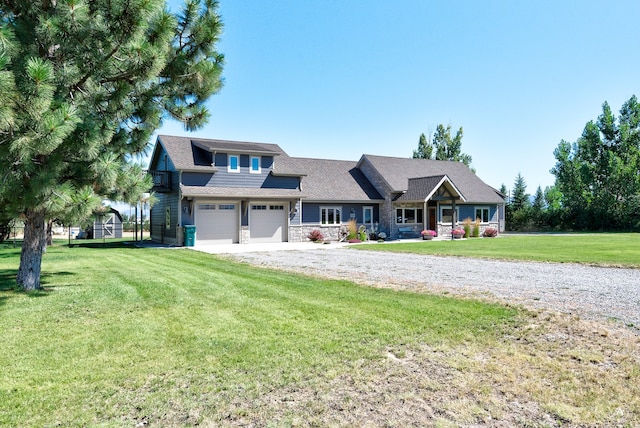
{"x": 34, "y": 245}
{"x": 49, "y": 232}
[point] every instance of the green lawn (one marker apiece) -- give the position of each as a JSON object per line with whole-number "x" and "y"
{"x": 135, "y": 337}
{"x": 123, "y": 335}
{"x": 618, "y": 249}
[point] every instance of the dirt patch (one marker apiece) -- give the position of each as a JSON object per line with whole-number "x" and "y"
{"x": 555, "y": 371}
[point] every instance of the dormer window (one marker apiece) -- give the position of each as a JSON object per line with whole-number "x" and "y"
{"x": 255, "y": 165}
{"x": 234, "y": 163}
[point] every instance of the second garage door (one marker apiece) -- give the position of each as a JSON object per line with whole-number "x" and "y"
{"x": 268, "y": 223}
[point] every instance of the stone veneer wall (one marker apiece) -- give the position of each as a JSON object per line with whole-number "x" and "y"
{"x": 299, "y": 233}
{"x": 386, "y": 220}
{"x": 244, "y": 234}
{"x": 444, "y": 230}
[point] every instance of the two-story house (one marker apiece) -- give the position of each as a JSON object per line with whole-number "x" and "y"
{"x": 241, "y": 192}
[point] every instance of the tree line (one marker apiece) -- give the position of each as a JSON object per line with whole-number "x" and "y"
{"x": 597, "y": 177}
{"x": 597, "y": 184}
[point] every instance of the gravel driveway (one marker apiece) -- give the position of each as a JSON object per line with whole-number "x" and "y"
{"x": 590, "y": 292}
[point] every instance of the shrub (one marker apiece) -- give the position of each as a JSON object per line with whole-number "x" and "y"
{"x": 352, "y": 229}
{"x": 466, "y": 224}
{"x": 362, "y": 233}
{"x": 490, "y": 232}
{"x": 458, "y": 232}
{"x": 476, "y": 228}
{"x": 315, "y": 235}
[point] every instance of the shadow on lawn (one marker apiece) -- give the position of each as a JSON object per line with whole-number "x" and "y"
{"x": 8, "y": 283}
{"x": 105, "y": 244}
{"x": 8, "y": 280}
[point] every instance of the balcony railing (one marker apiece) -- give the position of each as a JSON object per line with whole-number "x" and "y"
{"x": 161, "y": 181}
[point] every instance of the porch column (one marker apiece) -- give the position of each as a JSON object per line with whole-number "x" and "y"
{"x": 453, "y": 215}
{"x": 425, "y": 216}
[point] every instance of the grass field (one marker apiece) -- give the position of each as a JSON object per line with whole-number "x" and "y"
{"x": 608, "y": 249}
{"x": 132, "y": 337}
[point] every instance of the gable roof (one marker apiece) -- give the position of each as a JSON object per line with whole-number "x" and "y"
{"x": 189, "y": 154}
{"x": 396, "y": 172}
{"x": 328, "y": 180}
{"x": 423, "y": 188}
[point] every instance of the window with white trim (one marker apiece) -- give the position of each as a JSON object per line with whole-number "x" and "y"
{"x": 483, "y": 214}
{"x": 446, "y": 214}
{"x": 330, "y": 215}
{"x": 234, "y": 163}
{"x": 255, "y": 165}
{"x": 408, "y": 215}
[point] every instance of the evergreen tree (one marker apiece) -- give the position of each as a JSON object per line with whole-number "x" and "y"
{"x": 519, "y": 198}
{"x": 538, "y": 207}
{"x": 518, "y": 208}
{"x": 505, "y": 192}
{"x": 83, "y": 85}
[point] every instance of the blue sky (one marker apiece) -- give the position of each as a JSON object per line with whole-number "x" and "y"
{"x": 335, "y": 79}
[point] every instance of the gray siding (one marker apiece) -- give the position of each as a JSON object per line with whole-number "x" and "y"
{"x": 159, "y": 231}
{"x": 311, "y": 211}
{"x": 244, "y": 178}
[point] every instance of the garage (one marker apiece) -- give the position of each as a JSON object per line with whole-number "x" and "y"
{"x": 217, "y": 223}
{"x": 268, "y": 222}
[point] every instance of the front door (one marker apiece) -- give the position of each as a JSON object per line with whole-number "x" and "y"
{"x": 432, "y": 218}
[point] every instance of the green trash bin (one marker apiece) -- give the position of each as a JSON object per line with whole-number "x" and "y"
{"x": 189, "y": 235}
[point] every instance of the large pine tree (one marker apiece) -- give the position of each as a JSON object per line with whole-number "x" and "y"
{"x": 83, "y": 85}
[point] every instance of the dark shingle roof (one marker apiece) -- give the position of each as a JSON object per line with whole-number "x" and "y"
{"x": 240, "y": 192}
{"x": 189, "y": 154}
{"x": 423, "y": 188}
{"x": 328, "y": 180}
{"x": 397, "y": 172}
{"x": 238, "y": 147}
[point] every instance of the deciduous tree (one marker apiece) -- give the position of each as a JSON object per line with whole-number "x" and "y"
{"x": 599, "y": 174}
{"x": 83, "y": 85}
{"x": 425, "y": 148}
{"x": 442, "y": 146}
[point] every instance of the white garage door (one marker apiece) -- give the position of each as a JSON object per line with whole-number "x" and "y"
{"x": 268, "y": 223}
{"x": 216, "y": 223}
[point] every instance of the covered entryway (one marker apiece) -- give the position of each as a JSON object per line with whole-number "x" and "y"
{"x": 267, "y": 222}
{"x": 216, "y": 223}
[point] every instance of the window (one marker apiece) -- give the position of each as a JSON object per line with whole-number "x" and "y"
{"x": 483, "y": 214}
{"x": 330, "y": 215}
{"x": 206, "y": 207}
{"x": 408, "y": 215}
{"x": 255, "y": 165}
{"x": 367, "y": 215}
{"x": 234, "y": 163}
{"x": 446, "y": 214}
{"x": 276, "y": 207}
{"x": 258, "y": 207}
{"x": 227, "y": 207}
